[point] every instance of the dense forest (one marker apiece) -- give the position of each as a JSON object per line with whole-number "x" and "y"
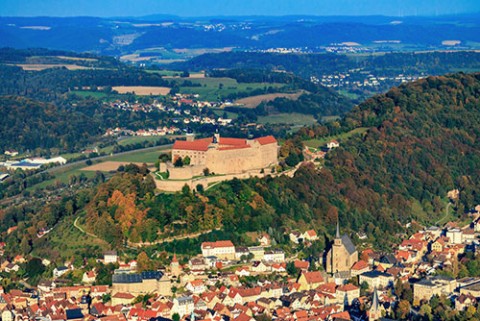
{"x": 421, "y": 142}
{"x": 306, "y": 65}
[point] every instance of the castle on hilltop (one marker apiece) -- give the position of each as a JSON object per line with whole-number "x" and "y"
{"x": 222, "y": 155}
{"x": 215, "y": 157}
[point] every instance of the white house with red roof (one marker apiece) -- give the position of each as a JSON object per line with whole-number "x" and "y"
{"x": 224, "y": 250}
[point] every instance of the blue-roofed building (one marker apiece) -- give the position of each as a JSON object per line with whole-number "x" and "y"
{"x": 144, "y": 282}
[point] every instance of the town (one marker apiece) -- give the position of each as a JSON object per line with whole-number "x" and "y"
{"x": 230, "y": 281}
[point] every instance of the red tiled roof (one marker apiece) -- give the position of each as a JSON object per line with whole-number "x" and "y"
{"x": 360, "y": 265}
{"x": 232, "y": 141}
{"x": 299, "y": 264}
{"x": 123, "y": 295}
{"x": 217, "y": 244}
{"x": 198, "y": 144}
{"x": 313, "y": 277}
{"x": 347, "y": 287}
{"x": 266, "y": 140}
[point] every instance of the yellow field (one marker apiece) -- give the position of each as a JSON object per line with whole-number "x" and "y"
{"x": 254, "y": 101}
{"x": 142, "y": 90}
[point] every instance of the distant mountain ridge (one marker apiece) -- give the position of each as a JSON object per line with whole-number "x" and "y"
{"x": 101, "y": 34}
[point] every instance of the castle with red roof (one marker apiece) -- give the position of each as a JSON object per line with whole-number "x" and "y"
{"x": 222, "y": 155}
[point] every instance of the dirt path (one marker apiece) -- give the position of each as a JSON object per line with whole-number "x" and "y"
{"x": 75, "y": 223}
{"x": 171, "y": 239}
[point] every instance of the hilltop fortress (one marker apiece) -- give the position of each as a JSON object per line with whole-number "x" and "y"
{"x": 222, "y": 158}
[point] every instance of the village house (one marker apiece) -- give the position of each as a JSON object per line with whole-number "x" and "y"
{"x": 276, "y": 256}
{"x": 310, "y": 280}
{"x": 348, "y": 293}
{"x": 224, "y": 250}
{"x": 376, "y": 279}
{"x": 264, "y": 239}
{"x": 110, "y": 257}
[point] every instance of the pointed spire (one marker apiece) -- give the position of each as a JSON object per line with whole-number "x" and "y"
{"x": 375, "y": 299}
{"x": 174, "y": 259}
{"x": 338, "y": 229}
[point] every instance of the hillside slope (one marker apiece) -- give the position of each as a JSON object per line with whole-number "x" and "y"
{"x": 421, "y": 142}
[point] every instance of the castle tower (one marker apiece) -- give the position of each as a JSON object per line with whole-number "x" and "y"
{"x": 175, "y": 266}
{"x": 190, "y": 136}
{"x": 216, "y": 137}
{"x": 375, "y": 311}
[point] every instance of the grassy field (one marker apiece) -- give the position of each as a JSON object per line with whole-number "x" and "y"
{"x": 93, "y": 94}
{"x": 63, "y": 176}
{"x": 150, "y": 156}
{"x": 294, "y": 119}
{"x": 67, "y": 239}
{"x": 315, "y": 143}
{"x": 214, "y": 88}
{"x": 139, "y": 139}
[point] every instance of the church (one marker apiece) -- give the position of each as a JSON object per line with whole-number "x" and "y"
{"x": 342, "y": 254}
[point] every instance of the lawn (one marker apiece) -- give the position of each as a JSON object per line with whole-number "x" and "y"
{"x": 150, "y": 156}
{"x": 63, "y": 175}
{"x": 93, "y": 94}
{"x": 294, "y": 119}
{"x": 316, "y": 143}
{"x": 67, "y": 239}
{"x": 214, "y": 88}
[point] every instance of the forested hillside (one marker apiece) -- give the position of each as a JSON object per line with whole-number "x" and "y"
{"x": 433, "y": 63}
{"x": 422, "y": 141}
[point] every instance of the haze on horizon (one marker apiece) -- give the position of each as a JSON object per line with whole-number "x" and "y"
{"x": 198, "y": 8}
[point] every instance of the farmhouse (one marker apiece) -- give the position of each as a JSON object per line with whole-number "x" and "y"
{"x": 222, "y": 155}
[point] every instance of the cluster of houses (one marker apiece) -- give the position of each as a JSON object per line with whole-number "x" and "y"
{"x": 350, "y": 79}
{"x": 228, "y": 282}
{"x": 159, "y": 131}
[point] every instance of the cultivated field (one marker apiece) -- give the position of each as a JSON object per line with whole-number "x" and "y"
{"x": 254, "y": 101}
{"x": 142, "y": 90}
{"x": 214, "y": 88}
{"x": 107, "y": 166}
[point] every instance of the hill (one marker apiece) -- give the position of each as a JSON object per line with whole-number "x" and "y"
{"x": 420, "y": 142}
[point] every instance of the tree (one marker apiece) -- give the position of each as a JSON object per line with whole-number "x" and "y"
{"x": 292, "y": 159}
{"x": 178, "y": 162}
{"x": 176, "y": 317}
{"x": 34, "y": 267}
{"x": 206, "y": 171}
{"x": 144, "y": 299}
{"x": 200, "y": 188}
{"x": 186, "y": 161}
{"x": 403, "y": 309}
{"x": 143, "y": 262}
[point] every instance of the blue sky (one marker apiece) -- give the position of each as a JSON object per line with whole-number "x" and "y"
{"x": 188, "y": 8}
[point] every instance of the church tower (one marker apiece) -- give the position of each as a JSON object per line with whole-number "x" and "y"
{"x": 175, "y": 266}
{"x": 375, "y": 311}
{"x": 342, "y": 254}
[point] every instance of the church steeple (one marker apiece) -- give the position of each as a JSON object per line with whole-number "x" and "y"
{"x": 338, "y": 239}
{"x": 375, "y": 312}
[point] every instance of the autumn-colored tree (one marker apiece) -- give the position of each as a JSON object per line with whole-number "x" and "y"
{"x": 126, "y": 212}
{"x": 144, "y": 263}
